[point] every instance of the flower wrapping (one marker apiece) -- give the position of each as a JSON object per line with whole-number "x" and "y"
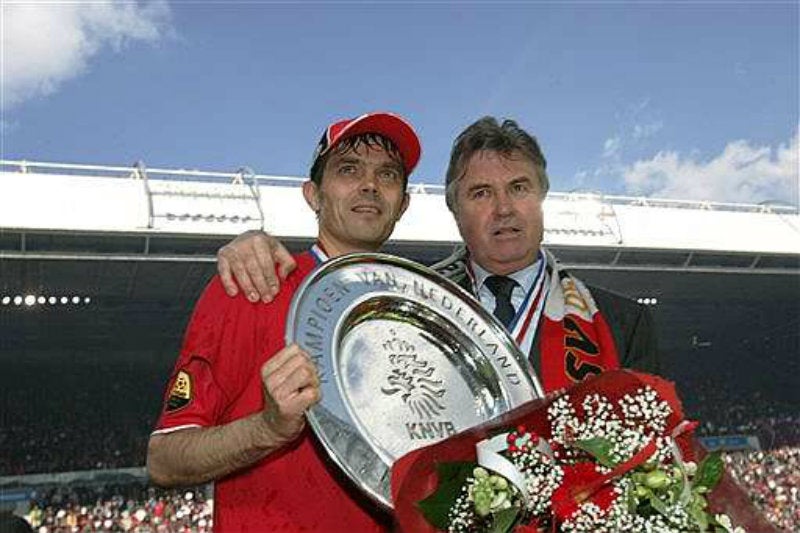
{"x": 415, "y": 477}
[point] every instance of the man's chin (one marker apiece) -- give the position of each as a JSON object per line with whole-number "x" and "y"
{"x": 372, "y": 240}
{"x": 507, "y": 263}
{"x": 511, "y": 249}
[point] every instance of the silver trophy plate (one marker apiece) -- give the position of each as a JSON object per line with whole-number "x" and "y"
{"x": 405, "y": 357}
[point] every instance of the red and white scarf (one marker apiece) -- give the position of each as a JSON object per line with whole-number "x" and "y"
{"x": 575, "y": 340}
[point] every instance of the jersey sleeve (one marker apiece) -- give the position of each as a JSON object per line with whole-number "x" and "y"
{"x": 205, "y": 373}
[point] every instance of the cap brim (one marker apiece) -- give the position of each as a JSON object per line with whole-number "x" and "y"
{"x": 391, "y": 126}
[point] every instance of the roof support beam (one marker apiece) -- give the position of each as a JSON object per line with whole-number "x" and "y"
{"x": 213, "y": 259}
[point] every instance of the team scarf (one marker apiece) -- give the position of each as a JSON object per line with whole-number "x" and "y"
{"x": 575, "y": 339}
{"x": 560, "y": 317}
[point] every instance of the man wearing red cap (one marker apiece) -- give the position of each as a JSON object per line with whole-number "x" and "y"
{"x": 234, "y": 408}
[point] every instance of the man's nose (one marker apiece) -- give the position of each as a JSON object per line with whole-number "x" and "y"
{"x": 369, "y": 182}
{"x": 503, "y": 204}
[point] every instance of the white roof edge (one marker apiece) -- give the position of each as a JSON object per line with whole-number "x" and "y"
{"x": 59, "y": 197}
{"x": 245, "y": 173}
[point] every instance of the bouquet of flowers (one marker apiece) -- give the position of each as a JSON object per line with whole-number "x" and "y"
{"x": 611, "y": 454}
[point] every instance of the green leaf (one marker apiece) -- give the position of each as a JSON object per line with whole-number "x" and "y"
{"x": 697, "y": 511}
{"x": 678, "y": 483}
{"x": 504, "y": 520}
{"x": 631, "y": 500}
{"x": 599, "y": 448}
{"x": 700, "y": 518}
{"x": 452, "y": 476}
{"x": 709, "y": 472}
{"x": 658, "y": 505}
{"x": 675, "y": 490}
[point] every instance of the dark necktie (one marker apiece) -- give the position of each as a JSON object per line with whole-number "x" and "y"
{"x": 501, "y": 287}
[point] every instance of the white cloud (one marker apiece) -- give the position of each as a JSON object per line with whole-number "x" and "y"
{"x": 636, "y": 124}
{"x": 611, "y": 146}
{"x": 46, "y": 43}
{"x": 644, "y": 131}
{"x": 742, "y": 173}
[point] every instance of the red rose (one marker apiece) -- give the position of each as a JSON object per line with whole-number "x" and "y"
{"x": 575, "y": 490}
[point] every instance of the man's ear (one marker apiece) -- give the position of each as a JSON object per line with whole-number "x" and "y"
{"x": 457, "y": 216}
{"x": 404, "y": 205}
{"x": 311, "y": 194}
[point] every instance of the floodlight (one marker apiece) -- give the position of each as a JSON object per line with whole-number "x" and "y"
{"x": 6, "y": 300}
{"x": 17, "y": 300}
{"x": 30, "y": 299}
{"x": 40, "y": 300}
{"x": 76, "y": 300}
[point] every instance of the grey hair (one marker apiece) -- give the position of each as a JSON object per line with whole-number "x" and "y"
{"x": 488, "y": 134}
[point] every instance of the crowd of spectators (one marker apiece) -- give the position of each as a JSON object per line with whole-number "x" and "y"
{"x": 78, "y": 416}
{"x": 133, "y": 508}
{"x": 29, "y": 450}
{"x": 86, "y": 416}
{"x": 772, "y": 479}
{"x": 754, "y": 393}
{"x": 776, "y": 424}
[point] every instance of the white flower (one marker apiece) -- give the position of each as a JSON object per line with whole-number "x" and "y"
{"x": 725, "y": 521}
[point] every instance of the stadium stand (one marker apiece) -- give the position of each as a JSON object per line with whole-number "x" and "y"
{"x": 117, "y": 508}
{"x": 773, "y": 482}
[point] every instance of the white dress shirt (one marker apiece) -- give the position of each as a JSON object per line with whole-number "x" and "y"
{"x": 524, "y": 279}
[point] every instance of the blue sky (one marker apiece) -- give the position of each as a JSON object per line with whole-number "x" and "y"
{"x": 682, "y": 100}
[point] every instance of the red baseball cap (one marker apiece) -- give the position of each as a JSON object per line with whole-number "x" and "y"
{"x": 393, "y": 127}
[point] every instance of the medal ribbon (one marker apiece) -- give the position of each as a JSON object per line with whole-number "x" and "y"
{"x": 523, "y": 327}
{"x": 319, "y": 254}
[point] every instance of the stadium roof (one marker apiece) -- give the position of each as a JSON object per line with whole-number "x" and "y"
{"x": 132, "y": 212}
